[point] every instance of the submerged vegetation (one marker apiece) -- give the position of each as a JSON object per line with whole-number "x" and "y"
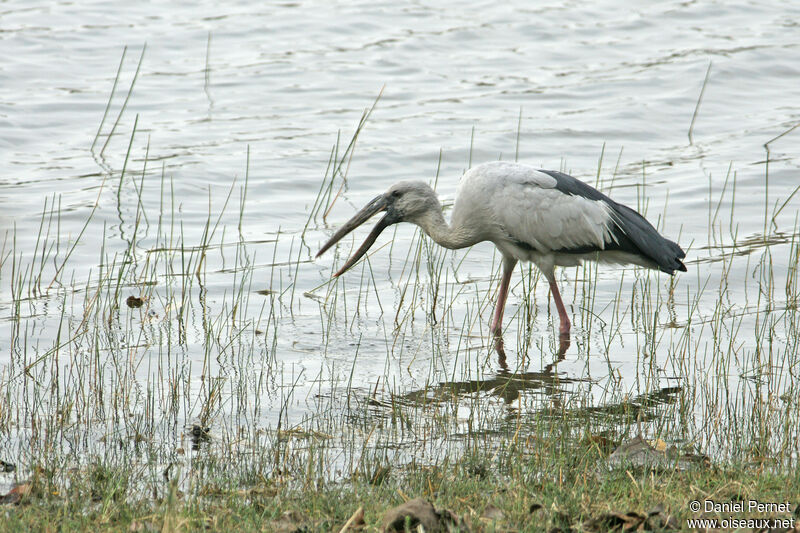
{"x": 172, "y": 384}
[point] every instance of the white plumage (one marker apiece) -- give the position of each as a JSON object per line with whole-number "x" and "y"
{"x": 523, "y": 203}
{"x": 542, "y": 216}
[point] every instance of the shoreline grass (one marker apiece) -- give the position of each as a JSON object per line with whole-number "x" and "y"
{"x": 534, "y": 486}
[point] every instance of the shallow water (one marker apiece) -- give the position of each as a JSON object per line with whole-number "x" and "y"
{"x": 602, "y": 90}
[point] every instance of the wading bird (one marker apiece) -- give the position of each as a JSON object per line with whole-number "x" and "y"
{"x": 542, "y": 216}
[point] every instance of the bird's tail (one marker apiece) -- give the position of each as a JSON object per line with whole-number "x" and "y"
{"x": 666, "y": 254}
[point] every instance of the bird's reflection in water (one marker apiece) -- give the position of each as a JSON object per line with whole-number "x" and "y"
{"x": 504, "y": 384}
{"x": 548, "y": 382}
{"x": 499, "y": 348}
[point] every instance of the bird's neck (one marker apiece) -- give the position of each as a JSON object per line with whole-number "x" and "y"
{"x": 451, "y": 236}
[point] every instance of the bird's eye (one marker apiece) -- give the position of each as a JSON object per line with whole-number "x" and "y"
{"x": 396, "y": 194}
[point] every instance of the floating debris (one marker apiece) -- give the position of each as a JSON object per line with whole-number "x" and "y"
{"x": 134, "y": 302}
{"x": 200, "y": 435}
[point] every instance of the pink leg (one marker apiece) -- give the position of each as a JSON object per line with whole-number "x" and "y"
{"x": 502, "y": 296}
{"x": 562, "y": 312}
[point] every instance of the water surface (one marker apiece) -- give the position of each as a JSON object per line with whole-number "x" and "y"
{"x": 243, "y": 329}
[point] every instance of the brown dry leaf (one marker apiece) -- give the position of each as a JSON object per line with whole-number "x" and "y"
{"x": 659, "y": 445}
{"x": 16, "y": 495}
{"x": 420, "y": 512}
{"x": 615, "y": 522}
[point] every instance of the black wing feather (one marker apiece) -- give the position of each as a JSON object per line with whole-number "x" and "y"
{"x": 632, "y": 232}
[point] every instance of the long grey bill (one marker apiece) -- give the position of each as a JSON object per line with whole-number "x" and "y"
{"x": 375, "y": 206}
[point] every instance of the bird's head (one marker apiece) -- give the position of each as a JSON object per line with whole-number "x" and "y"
{"x": 405, "y": 201}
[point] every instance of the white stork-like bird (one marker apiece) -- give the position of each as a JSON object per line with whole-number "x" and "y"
{"x": 542, "y": 216}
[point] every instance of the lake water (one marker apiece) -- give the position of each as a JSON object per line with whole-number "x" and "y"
{"x": 242, "y": 327}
